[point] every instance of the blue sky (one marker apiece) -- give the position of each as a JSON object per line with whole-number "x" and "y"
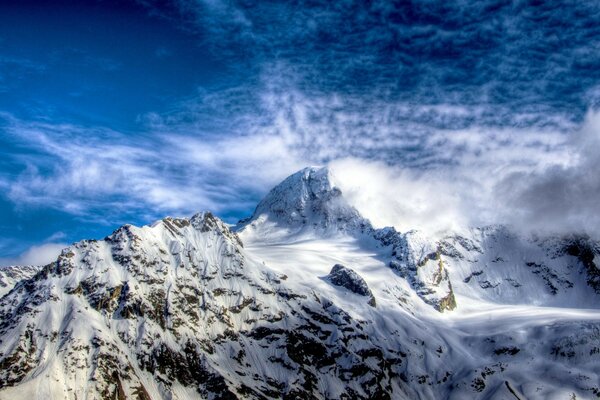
{"x": 124, "y": 112}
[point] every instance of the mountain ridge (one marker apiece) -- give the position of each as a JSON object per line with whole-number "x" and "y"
{"x": 191, "y": 308}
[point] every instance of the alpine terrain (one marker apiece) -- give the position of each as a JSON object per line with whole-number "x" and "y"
{"x": 305, "y": 299}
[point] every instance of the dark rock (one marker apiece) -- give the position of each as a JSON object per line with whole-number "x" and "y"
{"x": 507, "y": 350}
{"x": 347, "y": 278}
{"x": 583, "y": 250}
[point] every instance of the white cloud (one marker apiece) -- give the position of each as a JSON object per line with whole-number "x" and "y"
{"x": 405, "y": 199}
{"x": 82, "y": 170}
{"x": 544, "y": 182}
{"x": 56, "y": 236}
{"x": 561, "y": 197}
{"x": 398, "y": 170}
{"x": 36, "y": 255}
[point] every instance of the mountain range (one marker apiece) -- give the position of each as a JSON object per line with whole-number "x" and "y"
{"x": 305, "y": 299}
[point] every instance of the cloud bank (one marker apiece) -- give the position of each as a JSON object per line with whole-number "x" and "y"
{"x": 551, "y": 191}
{"x": 562, "y": 197}
{"x": 405, "y": 199}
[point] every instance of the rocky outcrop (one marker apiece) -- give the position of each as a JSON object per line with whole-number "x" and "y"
{"x": 419, "y": 260}
{"x": 586, "y": 251}
{"x": 348, "y": 279}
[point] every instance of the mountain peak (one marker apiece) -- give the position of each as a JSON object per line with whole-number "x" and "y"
{"x": 308, "y": 198}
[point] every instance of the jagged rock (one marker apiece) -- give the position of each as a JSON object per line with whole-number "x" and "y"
{"x": 347, "y": 278}
{"x": 420, "y": 261}
{"x": 586, "y": 252}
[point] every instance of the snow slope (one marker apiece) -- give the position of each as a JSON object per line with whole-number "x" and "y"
{"x": 191, "y": 309}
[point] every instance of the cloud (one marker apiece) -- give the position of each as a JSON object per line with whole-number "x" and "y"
{"x": 535, "y": 183}
{"x": 101, "y": 174}
{"x": 36, "y": 255}
{"x": 489, "y": 56}
{"x": 399, "y": 162}
{"x": 559, "y": 198}
{"x": 56, "y": 236}
{"x": 412, "y": 174}
{"x": 405, "y": 199}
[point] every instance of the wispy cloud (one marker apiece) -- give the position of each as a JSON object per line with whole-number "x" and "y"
{"x": 35, "y": 255}
{"x": 417, "y": 178}
{"x": 82, "y": 170}
{"x": 487, "y": 55}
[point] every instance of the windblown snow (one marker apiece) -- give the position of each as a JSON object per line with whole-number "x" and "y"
{"x": 304, "y": 300}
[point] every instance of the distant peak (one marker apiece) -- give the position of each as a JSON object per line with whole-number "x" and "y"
{"x": 308, "y": 198}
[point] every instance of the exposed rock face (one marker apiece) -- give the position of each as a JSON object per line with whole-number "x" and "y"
{"x": 347, "y": 278}
{"x": 587, "y": 252}
{"x": 419, "y": 260}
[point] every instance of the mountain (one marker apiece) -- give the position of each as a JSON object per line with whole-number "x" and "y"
{"x": 306, "y": 204}
{"x": 9, "y": 276}
{"x": 305, "y": 299}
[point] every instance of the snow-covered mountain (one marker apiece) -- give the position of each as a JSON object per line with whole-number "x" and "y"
{"x": 305, "y": 205}
{"x": 305, "y": 299}
{"x": 9, "y": 276}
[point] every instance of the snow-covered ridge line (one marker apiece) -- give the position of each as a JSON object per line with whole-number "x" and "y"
{"x": 304, "y": 300}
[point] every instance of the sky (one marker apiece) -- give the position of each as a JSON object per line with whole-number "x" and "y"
{"x": 432, "y": 115}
